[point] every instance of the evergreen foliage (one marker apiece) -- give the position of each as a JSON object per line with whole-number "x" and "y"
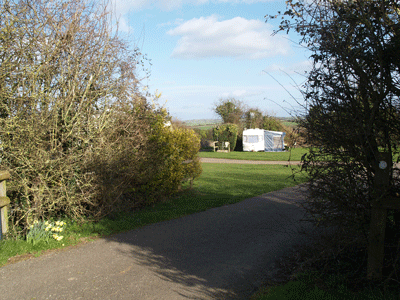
{"x": 226, "y": 133}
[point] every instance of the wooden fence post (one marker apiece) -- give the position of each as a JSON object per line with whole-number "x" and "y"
{"x": 4, "y": 203}
{"x": 376, "y": 243}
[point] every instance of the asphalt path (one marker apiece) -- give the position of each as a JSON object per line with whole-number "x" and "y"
{"x": 221, "y": 253}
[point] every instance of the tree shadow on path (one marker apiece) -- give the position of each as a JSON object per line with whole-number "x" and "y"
{"x": 221, "y": 253}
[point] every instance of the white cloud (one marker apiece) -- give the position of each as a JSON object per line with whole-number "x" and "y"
{"x": 298, "y": 67}
{"x": 168, "y": 5}
{"x": 237, "y": 37}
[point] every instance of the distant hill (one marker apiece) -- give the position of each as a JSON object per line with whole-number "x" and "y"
{"x": 202, "y": 122}
{"x": 209, "y": 123}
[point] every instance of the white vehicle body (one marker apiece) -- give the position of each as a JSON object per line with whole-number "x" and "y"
{"x": 263, "y": 140}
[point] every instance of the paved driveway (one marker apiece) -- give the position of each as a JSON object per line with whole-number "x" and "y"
{"x": 222, "y": 253}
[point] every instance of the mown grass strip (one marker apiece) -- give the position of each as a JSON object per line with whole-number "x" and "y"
{"x": 293, "y": 154}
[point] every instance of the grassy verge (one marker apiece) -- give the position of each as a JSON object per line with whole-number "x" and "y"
{"x": 308, "y": 286}
{"x": 294, "y": 154}
{"x": 330, "y": 268}
{"x": 305, "y": 289}
{"x": 217, "y": 186}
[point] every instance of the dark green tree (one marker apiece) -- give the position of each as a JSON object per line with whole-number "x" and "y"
{"x": 230, "y": 110}
{"x": 352, "y": 96}
{"x": 226, "y": 133}
{"x": 272, "y": 123}
{"x": 253, "y": 118}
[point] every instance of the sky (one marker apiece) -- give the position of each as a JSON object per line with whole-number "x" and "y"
{"x": 202, "y": 51}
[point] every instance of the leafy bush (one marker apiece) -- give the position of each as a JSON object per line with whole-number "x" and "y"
{"x": 226, "y": 133}
{"x": 271, "y": 123}
{"x": 206, "y": 136}
{"x": 178, "y": 149}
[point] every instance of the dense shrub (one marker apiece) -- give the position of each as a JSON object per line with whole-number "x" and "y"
{"x": 272, "y": 123}
{"x": 177, "y": 149}
{"x": 226, "y": 133}
{"x": 206, "y": 137}
{"x": 76, "y": 134}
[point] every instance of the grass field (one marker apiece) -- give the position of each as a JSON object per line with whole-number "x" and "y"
{"x": 216, "y": 187}
{"x": 290, "y": 124}
{"x": 202, "y": 122}
{"x": 205, "y": 127}
{"x": 294, "y": 154}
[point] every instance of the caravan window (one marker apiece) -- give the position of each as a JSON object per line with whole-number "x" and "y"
{"x": 251, "y": 139}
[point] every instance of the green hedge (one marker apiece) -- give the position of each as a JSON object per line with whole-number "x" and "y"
{"x": 226, "y": 133}
{"x": 77, "y": 136}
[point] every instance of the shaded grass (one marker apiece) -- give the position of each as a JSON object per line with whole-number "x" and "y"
{"x": 218, "y": 185}
{"x": 306, "y": 290}
{"x": 304, "y": 287}
{"x": 330, "y": 267}
{"x": 293, "y": 154}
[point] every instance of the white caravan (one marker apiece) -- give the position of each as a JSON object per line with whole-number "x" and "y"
{"x": 263, "y": 140}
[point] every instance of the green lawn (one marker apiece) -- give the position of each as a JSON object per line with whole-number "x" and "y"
{"x": 217, "y": 186}
{"x": 294, "y": 154}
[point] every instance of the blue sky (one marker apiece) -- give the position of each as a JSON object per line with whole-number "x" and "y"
{"x": 205, "y": 50}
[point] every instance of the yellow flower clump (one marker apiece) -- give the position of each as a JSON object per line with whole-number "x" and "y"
{"x": 57, "y": 228}
{"x": 57, "y": 237}
{"x": 40, "y": 230}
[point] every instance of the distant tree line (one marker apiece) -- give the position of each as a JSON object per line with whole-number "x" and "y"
{"x": 233, "y": 111}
